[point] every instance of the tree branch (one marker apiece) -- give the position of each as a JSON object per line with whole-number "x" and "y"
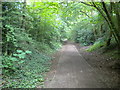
{"x": 106, "y": 11}
{"x": 87, "y": 4}
{"x": 85, "y": 13}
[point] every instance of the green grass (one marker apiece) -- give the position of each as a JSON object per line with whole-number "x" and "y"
{"x": 96, "y": 46}
{"x": 109, "y": 50}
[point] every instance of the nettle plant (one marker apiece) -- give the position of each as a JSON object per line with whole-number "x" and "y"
{"x": 12, "y": 63}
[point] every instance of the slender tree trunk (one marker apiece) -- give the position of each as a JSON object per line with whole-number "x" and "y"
{"x": 110, "y": 33}
{"x": 109, "y": 39}
{"x": 23, "y": 17}
{"x": 101, "y": 30}
{"x": 95, "y": 33}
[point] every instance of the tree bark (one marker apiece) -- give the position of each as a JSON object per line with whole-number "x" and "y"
{"x": 24, "y": 6}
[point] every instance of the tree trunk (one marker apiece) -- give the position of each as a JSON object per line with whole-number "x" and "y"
{"x": 109, "y": 39}
{"x": 23, "y": 17}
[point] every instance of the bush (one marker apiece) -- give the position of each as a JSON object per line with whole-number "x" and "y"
{"x": 31, "y": 73}
{"x": 85, "y": 37}
{"x": 12, "y": 63}
{"x": 96, "y": 45}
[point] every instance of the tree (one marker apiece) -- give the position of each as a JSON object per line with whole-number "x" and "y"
{"x": 111, "y": 16}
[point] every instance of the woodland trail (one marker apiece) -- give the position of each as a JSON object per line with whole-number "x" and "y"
{"x": 74, "y": 72}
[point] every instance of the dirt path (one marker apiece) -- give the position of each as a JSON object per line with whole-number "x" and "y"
{"x": 104, "y": 64}
{"x": 74, "y": 72}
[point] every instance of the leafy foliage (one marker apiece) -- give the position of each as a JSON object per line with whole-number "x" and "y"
{"x": 25, "y": 35}
{"x": 12, "y": 63}
{"x": 96, "y": 45}
{"x": 30, "y": 32}
{"x": 31, "y": 72}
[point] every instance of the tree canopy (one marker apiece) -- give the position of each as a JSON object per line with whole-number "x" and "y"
{"x": 32, "y": 31}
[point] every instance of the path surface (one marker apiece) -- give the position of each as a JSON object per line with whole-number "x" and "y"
{"x": 74, "y": 72}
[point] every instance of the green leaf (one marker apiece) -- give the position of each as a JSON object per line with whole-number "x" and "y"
{"x": 14, "y": 59}
{"x": 15, "y": 54}
{"x": 21, "y": 62}
{"x": 19, "y": 51}
{"x": 22, "y": 56}
{"x": 41, "y": 80}
{"x": 28, "y": 52}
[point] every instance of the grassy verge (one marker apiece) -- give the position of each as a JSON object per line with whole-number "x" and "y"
{"x": 96, "y": 46}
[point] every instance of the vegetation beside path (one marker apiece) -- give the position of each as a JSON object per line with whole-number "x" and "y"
{"x": 104, "y": 63}
{"x": 32, "y": 31}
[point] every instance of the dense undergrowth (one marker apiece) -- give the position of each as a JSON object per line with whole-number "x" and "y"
{"x": 30, "y": 72}
{"x": 32, "y": 31}
{"x": 27, "y": 42}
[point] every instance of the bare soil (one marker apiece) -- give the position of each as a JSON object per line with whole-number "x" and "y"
{"x": 105, "y": 64}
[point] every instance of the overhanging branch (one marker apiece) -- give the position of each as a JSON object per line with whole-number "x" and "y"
{"x": 85, "y": 13}
{"x": 87, "y": 4}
